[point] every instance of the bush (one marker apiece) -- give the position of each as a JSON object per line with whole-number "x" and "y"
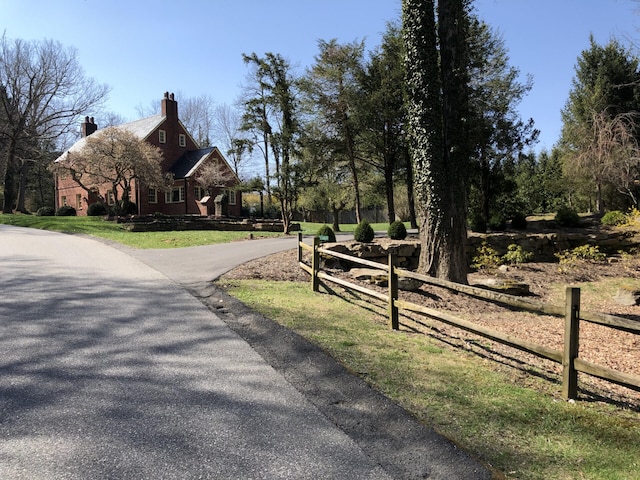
{"x": 614, "y": 218}
{"x": 589, "y": 253}
{"x": 498, "y": 223}
{"x": 326, "y": 231}
{"x": 567, "y": 217}
{"x": 46, "y": 212}
{"x": 487, "y": 258}
{"x": 66, "y": 211}
{"x": 477, "y": 223}
{"x": 364, "y": 232}
{"x": 519, "y": 221}
{"x": 397, "y": 230}
{"x": 97, "y": 210}
{"x": 516, "y": 255}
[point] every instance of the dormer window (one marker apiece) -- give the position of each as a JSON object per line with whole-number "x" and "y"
{"x": 182, "y": 139}
{"x": 162, "y": 136}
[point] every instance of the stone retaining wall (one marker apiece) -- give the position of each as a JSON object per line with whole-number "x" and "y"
{"x": 165, "y": 224}
{"x": 544, "y": 246}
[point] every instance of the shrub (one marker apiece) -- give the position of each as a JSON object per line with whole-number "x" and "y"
{"x": 567, "y": 217}
{"x": 326, "y": 231}
{"x": 516, "y": 255}
{"x": 46, "y": 212}
{"x": 487, "y": 258}
{"x": 364, "y": 232}
{"x": 590, "y": 253}
{"x": 519, "y": 221}
{"x": 397, "y": 230}
{"x": 614, "y": 218}
{"x": 66, "y": 211}
{"x": 97, "y": 210}
{"x": 477, "y": 223}
{"x": 498, "y": 223}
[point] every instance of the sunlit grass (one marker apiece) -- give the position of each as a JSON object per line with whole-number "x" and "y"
{"x": 97, "y": 227}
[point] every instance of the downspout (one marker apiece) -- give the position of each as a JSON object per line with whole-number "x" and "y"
{"x": 186, "y": 195}
{"x": 137, "y": 184}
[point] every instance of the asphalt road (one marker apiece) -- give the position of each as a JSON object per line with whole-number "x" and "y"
{"x": 112, "y": 369}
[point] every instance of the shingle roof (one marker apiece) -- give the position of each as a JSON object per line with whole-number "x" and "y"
{"x": 188, "y": 163}
{"x": 140, "y": 128}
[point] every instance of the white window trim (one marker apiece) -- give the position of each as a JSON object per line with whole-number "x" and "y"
{"x": 168, "y": 196}
{"x": 182, "y": 140}
{"x": 153, "y": 196}
{"x": 232, "y": 197}
{"x": 162, "y": 136}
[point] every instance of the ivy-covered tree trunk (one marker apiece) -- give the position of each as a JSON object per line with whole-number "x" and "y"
{"x": 436, "y": 116}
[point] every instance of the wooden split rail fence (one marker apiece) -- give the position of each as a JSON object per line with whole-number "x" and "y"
{"x": 572, "y": 364}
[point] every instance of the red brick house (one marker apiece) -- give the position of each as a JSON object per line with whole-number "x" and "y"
{"x": 181, "y": 156}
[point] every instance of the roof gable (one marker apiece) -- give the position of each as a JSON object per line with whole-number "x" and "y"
{"x": 187, "y": 165}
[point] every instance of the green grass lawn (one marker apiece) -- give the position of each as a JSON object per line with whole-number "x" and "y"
{"x": 98, "y": 227}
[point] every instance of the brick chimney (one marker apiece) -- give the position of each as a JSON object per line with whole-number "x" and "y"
{"x": 169, "y": 107}
{"x": 88, "y": 127}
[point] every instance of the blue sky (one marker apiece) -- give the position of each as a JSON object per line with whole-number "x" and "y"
{"x": 142, "y": 48}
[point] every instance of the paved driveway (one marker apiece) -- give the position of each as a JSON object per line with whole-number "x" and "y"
{"x": 109, "y": 369}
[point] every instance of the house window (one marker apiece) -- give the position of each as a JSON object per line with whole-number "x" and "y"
{"x": 175, "y": 195}
{"x": 198, "y": 193}
{"x": 111, "y": 200}
{"x": 78, "y": 201}
{"x": 64, "y": 201}
{"x": 153, "y": 195}
{"x": 232, "y": 197}
{"x": 182, "y": 138}
{"x": 162, "y": 136}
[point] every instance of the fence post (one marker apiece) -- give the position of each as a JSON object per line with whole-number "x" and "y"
{"x": 299, "y": 247}
{"x": 393, "y": 292}
{"x": 571, "y": 344}
{"x": 315, "y": 265}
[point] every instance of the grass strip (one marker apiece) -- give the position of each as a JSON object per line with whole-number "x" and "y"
{"x": 98, "y": 227}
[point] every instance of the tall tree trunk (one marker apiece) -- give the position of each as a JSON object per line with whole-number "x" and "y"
{"x": 336, "y": 218}
{"x": 10, "y": 182}
{"x": 388, "y": 185}
{"x": 22, "y": 186}
{"x": 435, "y": 89}
{"x": 411, "y": 202}
{"x": 267, "y": 176}
{"x": 452, "y": 32}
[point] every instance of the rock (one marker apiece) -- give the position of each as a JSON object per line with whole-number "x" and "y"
{"x": 409, "y": 284}
{"x": 509, "y": 287}
{"x": 627, "y": 296}
{"x": 372, "y": 275}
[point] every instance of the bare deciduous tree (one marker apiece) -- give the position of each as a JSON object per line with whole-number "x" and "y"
{"x": 228, "y": 132}
{"x": 608, "y": 151}
{"x": 44, "y": 93}
{"x": 211, "y": 176}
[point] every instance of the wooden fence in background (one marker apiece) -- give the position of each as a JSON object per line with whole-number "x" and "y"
{"x": 572, "y": 364}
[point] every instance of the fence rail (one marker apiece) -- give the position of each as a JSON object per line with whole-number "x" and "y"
{"x": 569, "y": 356}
